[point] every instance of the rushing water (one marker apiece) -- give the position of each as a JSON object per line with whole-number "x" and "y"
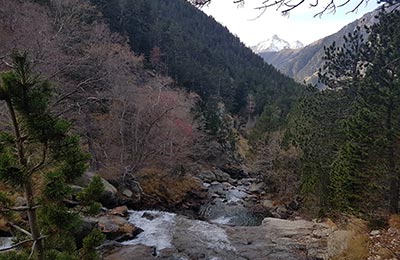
{"x": 158, "y": 228}
{"x": 161, "y": 228}
{"x": 229, "y": 207}
{"x": 5, "y": 242}
{"x": 233, "y": 214}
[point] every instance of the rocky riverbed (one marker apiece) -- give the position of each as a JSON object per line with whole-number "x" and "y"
{"x": 170, "y": 236}
{"x": 232, "y": 218}
{"x": 227, "y": 227}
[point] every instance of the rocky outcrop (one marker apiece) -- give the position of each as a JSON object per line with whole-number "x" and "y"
{"x": 117, "y": 228}
{"x": 170, "y": 236}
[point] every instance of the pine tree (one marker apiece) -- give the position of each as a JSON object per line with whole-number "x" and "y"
{"x": 367, "y": 161}
{"x": 314, "y": 126}
{"x": 40, "y": 149}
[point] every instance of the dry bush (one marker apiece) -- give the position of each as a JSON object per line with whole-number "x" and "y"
{"x": 167, "y": 188}
{"x": 152, "y": 127}
{"x": 129, "y": 118}
{"x": 277, "y": 166}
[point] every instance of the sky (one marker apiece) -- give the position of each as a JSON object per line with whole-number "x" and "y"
{"x": 299, "y": 25}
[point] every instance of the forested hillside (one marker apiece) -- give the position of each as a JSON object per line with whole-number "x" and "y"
{"x": 349, "y": 132}
{"x": 179, "y": 40}
{"x": 144, "y": 129}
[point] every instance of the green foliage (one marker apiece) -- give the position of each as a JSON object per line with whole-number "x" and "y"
{"x": 271, "y": 119}
{"x": 41, "y": 145}
{"x": 90, "y": 195}
{"x": 55, "y": 188}
{"x": 350, "y": 136}
{"x": 201, "y": 55}
{"x": 13, "y": 255}
{"x": 57, "y": 255}
{"x": 90, "y": 242}
{"x": 314, "y": 126}
{"x": 55, "y": 218}
{"x": 5, "y": 202}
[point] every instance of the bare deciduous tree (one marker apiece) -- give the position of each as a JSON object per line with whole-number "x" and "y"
{"x": 285, "y": 6}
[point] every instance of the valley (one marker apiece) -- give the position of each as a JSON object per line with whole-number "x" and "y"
{"x": 146, "y": 130}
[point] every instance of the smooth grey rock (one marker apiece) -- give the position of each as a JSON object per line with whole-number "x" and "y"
{"x": 128, "y": 193}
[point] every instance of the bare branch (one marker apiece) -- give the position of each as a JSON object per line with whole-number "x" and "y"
{"x": 22, "y": 208}
{"x": 21, "y": 243}
{"x": 286, "y": 6}
{"x": 19, "y": 229}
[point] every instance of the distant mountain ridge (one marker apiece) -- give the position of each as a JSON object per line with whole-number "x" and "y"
{"x": 303, "y": 64}
{"x": 275, "y": 44}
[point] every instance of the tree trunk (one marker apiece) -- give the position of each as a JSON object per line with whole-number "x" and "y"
{"x": 34, "y": 227}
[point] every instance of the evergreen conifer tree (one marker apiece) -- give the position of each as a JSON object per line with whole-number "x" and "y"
{"x": 37, "y": 148}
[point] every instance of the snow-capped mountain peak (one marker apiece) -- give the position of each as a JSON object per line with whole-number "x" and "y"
{"x": 296, "y": 45}
{"x": 275, "y": 44}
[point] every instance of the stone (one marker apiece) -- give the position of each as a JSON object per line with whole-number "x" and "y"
{"x": 75, "y": 189}
{"x": 268, "y": 204}
{"x": 207, "y": 176}
{"x": 87, "y": 226}
{"x": 120, "y": 211}
{"x": 338, "y": 242}
{"x": 234, "y": 171}
{"x": 127, "y": 193}
{"x": 257, "y": 187}
{"x": 221, "y": 176}
{"x": 294, "y": 205}
{"x": 148, "y": 216}
{"x": 375, "y": 233}
{"x": 283, "y": 211}
{"x": 109, "y": 198}
{"x": 131, "y": 252}
{"x": 117, "y": 228}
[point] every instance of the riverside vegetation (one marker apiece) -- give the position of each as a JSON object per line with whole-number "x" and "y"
{"x": 176, "y": 114}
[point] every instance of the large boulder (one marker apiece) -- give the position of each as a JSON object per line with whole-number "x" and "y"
{"x": 221, "y": 176}
{"x": 109, "y": 197}
{"x": 121, "y": 211}
{"x": 117, "y": 228}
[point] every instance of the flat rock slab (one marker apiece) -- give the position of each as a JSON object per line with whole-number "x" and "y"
{"x": 134, "y": 252}
{"x": 275, "y": 239}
